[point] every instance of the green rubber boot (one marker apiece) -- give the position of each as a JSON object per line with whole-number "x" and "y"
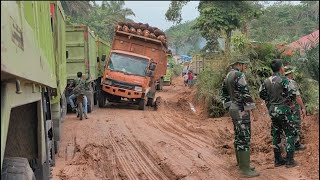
{"x": 237, "y": 158}
{"x": 244, "y": 164}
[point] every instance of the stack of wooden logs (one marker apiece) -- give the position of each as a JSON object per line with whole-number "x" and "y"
{"x": 142, "y": 30}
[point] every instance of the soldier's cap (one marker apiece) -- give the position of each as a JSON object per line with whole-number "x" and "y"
{"x": 239, "y": 59}
{"x": 289, "y": 69}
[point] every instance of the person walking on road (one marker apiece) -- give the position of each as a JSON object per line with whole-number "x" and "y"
{"x": 190, "y": 78}
{"x": 185, "y": 79}
{"x": 299, "y": 107}
{"x": 279, "y": 95}
{"x": 237, "y": 99}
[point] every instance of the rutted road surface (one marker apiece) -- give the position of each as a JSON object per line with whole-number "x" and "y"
{"x": 120, "y": 142}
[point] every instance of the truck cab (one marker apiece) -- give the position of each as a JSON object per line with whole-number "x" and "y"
{"x": 127, "y": 75}
{"x": 134, "y": 65}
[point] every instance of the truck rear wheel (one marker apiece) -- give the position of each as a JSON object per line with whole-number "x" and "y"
{"x": 160, "y": 85}
{"x": 102, "y": 99}
{"x": 17, "y": 168}
{"x": 141, "y": 104}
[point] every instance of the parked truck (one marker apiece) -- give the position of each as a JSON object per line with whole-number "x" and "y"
{"x": 102, "y": 50}
{"x": 33, "y": 77}
{"x": 81, "y": 50}
{"x": 134, "y": 65}
{"x": 167, "y": 78}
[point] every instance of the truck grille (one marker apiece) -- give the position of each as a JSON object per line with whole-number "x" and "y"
{"x": 122, "y": 85}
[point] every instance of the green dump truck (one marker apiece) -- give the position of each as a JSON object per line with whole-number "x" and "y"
{"x": 81, "y": 50}
{"x": 33, "y": 78}
{"x": 167, "y": 78}
{"x": 102, "y": 50}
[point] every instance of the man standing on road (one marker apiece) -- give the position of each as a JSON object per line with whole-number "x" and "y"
{"x": 299, "y": 107}
{"x": 280, "y": 96}
{"x": 190, "y": 78}
{"x": 185, "y": 79}
{"x": 236, "y": 97}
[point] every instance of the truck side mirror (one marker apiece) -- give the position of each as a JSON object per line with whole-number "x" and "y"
{"x": 98, "y": 60}
{"x": 149, "y": 73}
{"x": 152, "y": 66}
{"x": 103, "y": 58}
{"x": 67, "y": 54}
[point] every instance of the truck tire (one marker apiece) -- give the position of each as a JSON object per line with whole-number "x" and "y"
{"x": 16, "y": 168}
{"x": 63, "y": 107}
{"x": 90, "y": 104}
{"x": 102, "y": 99}
{"x": 160, "y": 85}
{"x": 56, "y": 146}
{"x": 150, "y": 102}
{"x": 141, "y": 104}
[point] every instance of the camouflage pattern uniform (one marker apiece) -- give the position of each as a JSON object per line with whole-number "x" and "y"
{"x": 280, "y": 96}
{"x": 296, "y": 111}
{"x": 236, "y": 98}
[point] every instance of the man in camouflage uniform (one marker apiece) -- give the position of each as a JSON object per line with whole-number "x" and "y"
{"x": 299, "y": 107}
{"x": 279, "y": 96}
{"x": 236, "y": 97}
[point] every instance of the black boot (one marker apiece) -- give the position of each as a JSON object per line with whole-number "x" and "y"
{"x": 278, "y": 160}
{"x": 290, "y": 161}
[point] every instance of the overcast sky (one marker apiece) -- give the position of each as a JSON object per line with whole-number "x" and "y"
{"x": 153, "y": 12}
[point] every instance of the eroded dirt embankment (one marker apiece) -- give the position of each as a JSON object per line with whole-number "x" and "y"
{"x": 120, "y": 142}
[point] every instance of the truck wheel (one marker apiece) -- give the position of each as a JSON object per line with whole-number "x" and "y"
{"x": 17, "y": 168}
{"x": 95, "y": 97}
{"x": 150, "y": 102}
{"x": 102, "y": 99}
{"x": 161, "y": 84}
{"x": 141, "y": 104}
{"x": 63, "y": 107}
{"x": 56, "y": 146}
{"x": 90, "y": 104}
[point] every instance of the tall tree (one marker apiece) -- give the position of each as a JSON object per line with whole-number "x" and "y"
{"x": 76, "y": 8}
{"x": 182, "y": 38}
{"x": 102, "y": 19}
{"x": 216, "y": 17}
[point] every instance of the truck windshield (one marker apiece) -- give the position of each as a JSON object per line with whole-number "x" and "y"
{"x": 128, "y": 64}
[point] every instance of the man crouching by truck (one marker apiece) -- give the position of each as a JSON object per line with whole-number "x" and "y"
{"x": 78, "y": 84}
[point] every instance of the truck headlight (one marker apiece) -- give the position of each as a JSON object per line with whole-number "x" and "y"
{"x": 138, "y": 88}
{"x": 108, "y": 82}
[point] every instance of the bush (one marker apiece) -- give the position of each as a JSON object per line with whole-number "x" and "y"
{"x": 209, "y": 84}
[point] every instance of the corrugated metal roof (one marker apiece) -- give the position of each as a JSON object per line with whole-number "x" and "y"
{"x": 305, "y": 42}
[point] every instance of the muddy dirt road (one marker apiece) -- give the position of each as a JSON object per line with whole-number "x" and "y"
{"x": 121, "y": 142}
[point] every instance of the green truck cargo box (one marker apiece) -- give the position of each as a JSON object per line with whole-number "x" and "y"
{"x": 81, "y": 49}
{"x": 33, "y": 78}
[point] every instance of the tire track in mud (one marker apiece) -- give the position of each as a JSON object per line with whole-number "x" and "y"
{"x": 184, "y": 131}
{"x": 205, "y": 156}
{"x": 139, "y": 159}
{"x": 122, "y": 160}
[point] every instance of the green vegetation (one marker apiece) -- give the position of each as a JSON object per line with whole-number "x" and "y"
{"x": 241, "y": 23}
{"x": 183, "y": 39}
{"x": 285, "y": 22}
{"x": 101, "y": 19}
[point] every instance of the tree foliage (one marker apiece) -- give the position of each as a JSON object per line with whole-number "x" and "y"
{"x": 285, "y": 22}
{"x": 102, "y": 19}
{"x": 76, "y": 8}
{"x": 183, "y": 39}
{"x": 216, "y": 17}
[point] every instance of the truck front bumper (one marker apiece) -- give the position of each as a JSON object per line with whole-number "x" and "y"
{"x": 126, "y": 93}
